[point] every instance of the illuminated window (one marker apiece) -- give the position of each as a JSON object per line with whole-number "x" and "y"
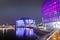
{"x": 29, "y": 21}
{"x": 20, "y": 23}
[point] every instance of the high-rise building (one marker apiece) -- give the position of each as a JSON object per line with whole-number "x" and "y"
{"x": 50, "y": 11}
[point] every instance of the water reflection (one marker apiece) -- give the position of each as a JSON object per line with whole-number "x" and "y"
{"x": 20, "y": 32}
{"x": 29, "y": 32}
{"x": 25, "y": 34}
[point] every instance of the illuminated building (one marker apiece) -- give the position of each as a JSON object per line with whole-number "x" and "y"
{"x": 24, "y": 27}
{"x": 25, "y": 22}
{"x": 51, "y": 12}
{"x": 20, "y": 23}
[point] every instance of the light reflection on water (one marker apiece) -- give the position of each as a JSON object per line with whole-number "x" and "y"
{"x": 29, "y": 32}
{"x": 20, "y": 32}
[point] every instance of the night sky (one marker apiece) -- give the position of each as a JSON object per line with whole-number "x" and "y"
{"x": 11, "y": 10}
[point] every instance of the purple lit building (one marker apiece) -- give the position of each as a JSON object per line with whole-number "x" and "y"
{"x": 50, "y": 11}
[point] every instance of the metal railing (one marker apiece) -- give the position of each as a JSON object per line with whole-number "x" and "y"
{"x": 50, "y": 37}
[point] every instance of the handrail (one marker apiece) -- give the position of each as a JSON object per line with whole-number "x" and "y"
{"x": 46, "y": 36}
{"x": 52, "y": 35}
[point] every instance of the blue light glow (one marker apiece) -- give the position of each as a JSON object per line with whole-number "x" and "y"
{"x": 29, "y": 21}
{"x": 29, "y": 32}
{"x": 20, "y": 23}
{"x": 20, "y": 32}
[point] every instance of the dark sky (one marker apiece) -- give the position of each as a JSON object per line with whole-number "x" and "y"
{"x": 11, "y": 10}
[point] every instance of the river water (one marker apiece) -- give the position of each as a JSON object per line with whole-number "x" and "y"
{"x": 18, "y": 34}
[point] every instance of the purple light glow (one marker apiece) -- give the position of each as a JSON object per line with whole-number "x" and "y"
{"x": 49, "y": 5}
{"x": 53, "y": 19}
{"x": 55, "y": 12}
{"x": 50, "y": 19}
{"x": 46, "y": 13}
{"x": 52, "y": 4}
{"x": 53, "y": 8}
{"x": 50, "y": 10}
{"x": 46, "y": 10}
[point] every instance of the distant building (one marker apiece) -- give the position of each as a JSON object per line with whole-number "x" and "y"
{"x": 27, "y": 22}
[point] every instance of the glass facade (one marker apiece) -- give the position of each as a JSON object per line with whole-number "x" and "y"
{"x": 20, "y": 23}
{"x": 25, "y": 22}
{"x": 50, "y": 11}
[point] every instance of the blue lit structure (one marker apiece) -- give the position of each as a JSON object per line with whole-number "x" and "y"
{"x": 29, "y": 21}
{"x": 25, "y": 21}
{"x": 20, "y": 23}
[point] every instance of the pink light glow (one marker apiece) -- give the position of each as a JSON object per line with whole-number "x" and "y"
{"x": 50, "y": 11}
{"x": 53, "y": 19}
{"x": 55, "y": 12}
{"x": 52, "y": 3}
{"x": 53, "y": 8}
